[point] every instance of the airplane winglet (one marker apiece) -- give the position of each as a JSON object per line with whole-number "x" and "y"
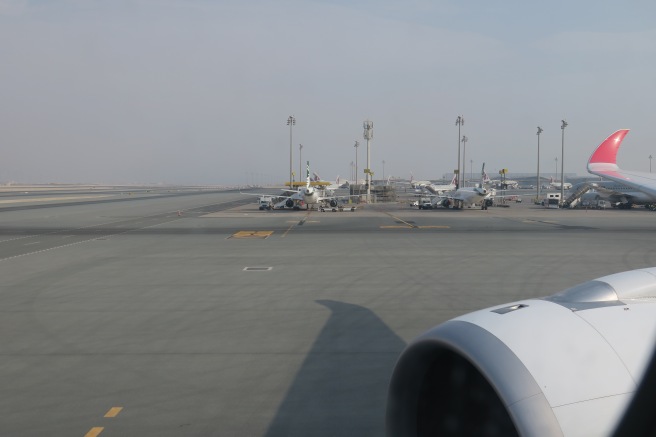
{"x": 606, "y": 152}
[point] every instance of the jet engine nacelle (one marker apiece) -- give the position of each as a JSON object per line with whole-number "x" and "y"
{"x": 333, "y": 203}
{"x": 446, "y": 203}
{"x": 289, "y": 203}
{"x": 566, "y": 364}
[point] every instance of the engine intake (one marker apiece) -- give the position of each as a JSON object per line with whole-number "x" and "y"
{"x": 567, "y": 364}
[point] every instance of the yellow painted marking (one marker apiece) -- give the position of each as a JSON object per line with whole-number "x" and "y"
{"x": 252, "y": 234}
{"x": 113, "y": 412}
{"x": 307, "y": 214}
{"x": 94, "y": 432}
{"x": 414, "y": 227}
{"x": 540, "y": 222}
{"x": 401, "y": 220}
{"x": 288, "y": 229}
{"x": 50, "y": 199}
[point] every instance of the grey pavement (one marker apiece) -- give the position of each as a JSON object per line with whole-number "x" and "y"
{"x": 131, "y": 304}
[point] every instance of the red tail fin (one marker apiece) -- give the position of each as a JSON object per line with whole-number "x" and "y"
{"x": 606, "y": 153}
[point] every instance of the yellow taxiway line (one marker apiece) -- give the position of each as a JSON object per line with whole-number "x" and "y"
{"x": 407, "y": 225}
{"x": 413, "y": 227}
{"x": 251, "y": 234}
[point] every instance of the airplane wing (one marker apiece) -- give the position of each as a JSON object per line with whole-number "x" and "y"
{"x": 603, "y": 162}
{"x": 272, "y": 196}
{"x": 619, "y": 196}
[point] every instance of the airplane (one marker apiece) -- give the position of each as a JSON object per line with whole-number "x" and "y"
{"x": 568, "y": 364}
{"x": 507, "y": 184}
{"x": 558, "y": 185}
{"x": 441, "y": 188}
{"x": 603, "y": 162}
{"x": 470, "y": 196}
{"x": 418, "y": 184}
{"x": 331, "y": 185}
{"x": 312, "y": 194}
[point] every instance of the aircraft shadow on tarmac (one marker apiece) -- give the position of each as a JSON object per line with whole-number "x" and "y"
{"x": 341, "y": 387}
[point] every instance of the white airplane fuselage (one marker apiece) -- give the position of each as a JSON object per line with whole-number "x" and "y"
{"x": 470, "y": 196}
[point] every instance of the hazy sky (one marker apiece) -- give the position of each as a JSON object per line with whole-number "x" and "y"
{"x": 199, "y": 91}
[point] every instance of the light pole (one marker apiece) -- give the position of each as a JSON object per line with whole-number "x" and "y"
{"x": 300, "y": 161}
{"x": 357, "y": 144}
{"x": 383, "y": 169}
{"x": 464, "y": 149}
{"x": 556, "y": 172}
{"x": 537, "y": 195}
{"x": 291, "y": 121}
{"x": 649, "y": 163}
{"x": 471, "y": 171}
{"x": 459, "y": 122}
{"x": 562, "y": 162}
{"x": 368, "y": 135}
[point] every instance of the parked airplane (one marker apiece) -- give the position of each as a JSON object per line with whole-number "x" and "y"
{"x": 508, "y": 184}
{"x": 558, "y": 184}
{"x": 314, "y": 193}
{"x": 438, "y": 189}
{"x": 563, "y": 365}
{"x": 603, "y": 162}
{"x": 331, "y": 185}
{"x": 470, "y": 196}
{"x": 418, "y": 184}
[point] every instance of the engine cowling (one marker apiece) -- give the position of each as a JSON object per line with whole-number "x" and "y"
{"x": 333, "y": 203}
{"x": 289, "y": 203}
{"x": 567, "y": 364}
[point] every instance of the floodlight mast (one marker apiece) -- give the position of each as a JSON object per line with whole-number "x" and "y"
{"x": 562, "y": 163}
{"x": 537, "y": 195}
{"x": 464, "y": 148}
{"x": 459, "y": 122}
{"x": 291, "y": 121}
{"x": 357, "y": 144}
{"x": 368, "y": 135}
{"x": 300, "y": 160}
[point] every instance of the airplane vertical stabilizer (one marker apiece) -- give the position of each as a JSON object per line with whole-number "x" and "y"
{"x": 603, "y": 162}
{"x": 605, "y": 156}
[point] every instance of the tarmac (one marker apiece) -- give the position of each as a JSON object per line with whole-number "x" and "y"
{"x": 196, "y": 314}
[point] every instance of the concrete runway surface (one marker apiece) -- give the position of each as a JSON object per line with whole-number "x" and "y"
{"x": 121, "y": 316}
